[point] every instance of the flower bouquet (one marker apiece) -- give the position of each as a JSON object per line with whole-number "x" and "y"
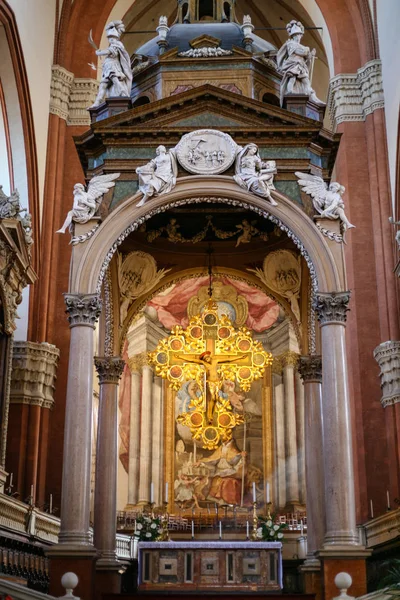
{"x": 147, "y": 528}
{"x": 269, "y": 530}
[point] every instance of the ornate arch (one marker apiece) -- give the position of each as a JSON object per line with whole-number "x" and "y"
{"x": 88, "y": 271}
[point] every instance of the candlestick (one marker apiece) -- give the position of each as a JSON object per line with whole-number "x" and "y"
{"x": 253, "y": 535}
{"x": 192, "y": 529}
{"x": 254, "y": 492}
{"x": 164, "y": 536}
{"x": 151, "y": 493}
{"x": 51, "y": 504}
{"x": 166, "y": 491}
{"x": 247, "y": 530}
{"x": 372, "y": 509}
{"x": 267, "y": 490}
{"x": 388, "y": 499}
{"x": 32, "y": 494}
{"x": 11, "y": 479}
{"x": 135, "y": 527}
{"x": 301, "y": 527}
{"x": 220, "y": 530}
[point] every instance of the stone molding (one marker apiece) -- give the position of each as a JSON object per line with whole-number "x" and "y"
{"x": 383, "y": 529}
{"x": 34, "y": 367}
{"x": 353, "y": 96}
{"x": 83, "y": 309}
{"x": 287, "y": 359}
{"x": 310, "y": 368}
{"x": 70, "y": 96}
{"x": 331, "y": 307}
{"x": 109, "y": 369}
{"x": 387, "y": 355}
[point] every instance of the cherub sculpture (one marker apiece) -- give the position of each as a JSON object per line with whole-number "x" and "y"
{"x": 253, "y": 174}
{"x": 10, "y": 206}
{"x": 327, "y": 200}
{"x": 159, "y": 175}
{"x": 116, "y": 78}
{"x": 86, "y": 202}
{"x": 295, "y": 63}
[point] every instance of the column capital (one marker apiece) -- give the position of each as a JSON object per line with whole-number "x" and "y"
{"x": 138, "y": 361}
{"x": 331, "y": 307}
{"x": 109, "y": 368}
{"x": 310, "y": 368}
{"x": 289, "y": 359}
{"x": 82, "y": 309}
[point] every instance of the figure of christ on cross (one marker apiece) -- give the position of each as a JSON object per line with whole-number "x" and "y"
{"x": 211, "y": 361}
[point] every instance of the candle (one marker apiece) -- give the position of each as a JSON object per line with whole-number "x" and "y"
{"x": 254, "y": 492}
{"x": 267, "y": 490}
{"x": 51, "y": 504}
{"x": 220, "y": 530}
{"x": 152, "y": 492}
{"x": 192, "y": 528}
{"x": 32, "y": 493}
{"x": 301, "y": 527}
{"x": 11, "y": 479}
{"x": 194, "y": 454}
{"x": 247, "y": 530}
{"x": 388, "y": 499}
{"x": 166, "y": 491}
{"x": 372, "y": 509}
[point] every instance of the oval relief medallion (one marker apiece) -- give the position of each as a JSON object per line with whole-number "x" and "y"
{"x": 206, "y": 151}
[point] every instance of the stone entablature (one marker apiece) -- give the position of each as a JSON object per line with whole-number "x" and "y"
{"x": 353, "y": 96}
{"x": 70, "y": 96}
{"x": 34, "y": 367}
{"x": 387, "y": 355}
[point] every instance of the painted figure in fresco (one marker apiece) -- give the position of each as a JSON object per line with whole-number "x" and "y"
{"x": 225, "y": 467}
{"x": 159, "y": 175}
{"x": 253, "y": 174}
{"x": 116, "y": 77}
{"x": 295, "y": 62}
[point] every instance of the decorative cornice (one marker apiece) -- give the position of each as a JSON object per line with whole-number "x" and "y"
{"x": 34, "y": 367}
{"x": 138, "y": 361}
{"x": 70, "y": 97}
{"x": 353, "y": 96}
{"x": 387, "y": 355}
{"x": 310, "y": 368}
{"x": 109, "y": 368}
{"x": 60, "y": 90}
{"x": 82, "y": 309}
{"x": 331, "y": 307}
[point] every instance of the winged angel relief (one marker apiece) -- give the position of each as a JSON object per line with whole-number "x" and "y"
{"x": 86, "y": 202}
{"x": 327, "y": 201}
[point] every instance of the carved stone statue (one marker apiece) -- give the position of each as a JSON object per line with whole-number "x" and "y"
{"x": 327, "y": 201}
{"x": 295, "y": 62}
{"x": 10, "y": 206}
{"x": 253, "y": 174}
{"x": 159, "y": 175}
{"x": 86, "y": 202}
{"x": 393, "y": 222}
{"x": 116, "y": 79}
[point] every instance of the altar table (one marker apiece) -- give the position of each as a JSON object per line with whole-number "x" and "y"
{"x": 210, "y": 565}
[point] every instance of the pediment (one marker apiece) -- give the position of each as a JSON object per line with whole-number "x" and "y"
{"x": 182, "y": 110}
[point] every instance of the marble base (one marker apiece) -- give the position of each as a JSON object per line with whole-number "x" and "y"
{"x": 78, "y": 560}
{"x": 108, "y": 579}
{"x": 302, "y": 105}
{"x": 349, "y": 560}
{"x": 312, "y": 579}
{"x": 109, "y": 108}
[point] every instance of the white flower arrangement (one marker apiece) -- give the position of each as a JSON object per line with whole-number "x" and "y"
{"x": 270, "y": 530}
{"x": 147, "y": 528}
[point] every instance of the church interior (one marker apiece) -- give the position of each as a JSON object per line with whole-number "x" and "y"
{"x": 199, "y": 299}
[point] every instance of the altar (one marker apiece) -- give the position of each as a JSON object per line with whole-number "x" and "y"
{"x": 210, "y": 565}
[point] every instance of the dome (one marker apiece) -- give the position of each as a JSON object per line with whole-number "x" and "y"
{"x": 181, "y": 34}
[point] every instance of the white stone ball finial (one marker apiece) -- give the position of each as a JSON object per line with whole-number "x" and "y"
{"x": 69, "y": 581}
{"x": 343, "y": 581}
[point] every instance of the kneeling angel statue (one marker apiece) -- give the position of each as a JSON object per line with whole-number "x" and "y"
{"x": 253, "y": 174}
{"x": 327, "y": 200}
{"x": 159, "y": 175}
{"x": 86, "y": 202}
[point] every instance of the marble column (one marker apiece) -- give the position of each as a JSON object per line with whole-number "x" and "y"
{"x": 300, "y": 437}
{"x": 290, "y": 360}
{"x": 157, "y": 437}
{"x": 109, "y": 370}
{"x": 331, "y": 309}
{"x": 83, "y": 311}
{"x": 134, "y": 434}
{"x": 311, "y": 372}
{"x": 279, "y": 412}
{"x": 146, "y": 435}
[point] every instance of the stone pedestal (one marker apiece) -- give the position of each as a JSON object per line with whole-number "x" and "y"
{"x": 352, "y": 563}
{"x": 109, "y": 108}
{"x": 302, "y": 105}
